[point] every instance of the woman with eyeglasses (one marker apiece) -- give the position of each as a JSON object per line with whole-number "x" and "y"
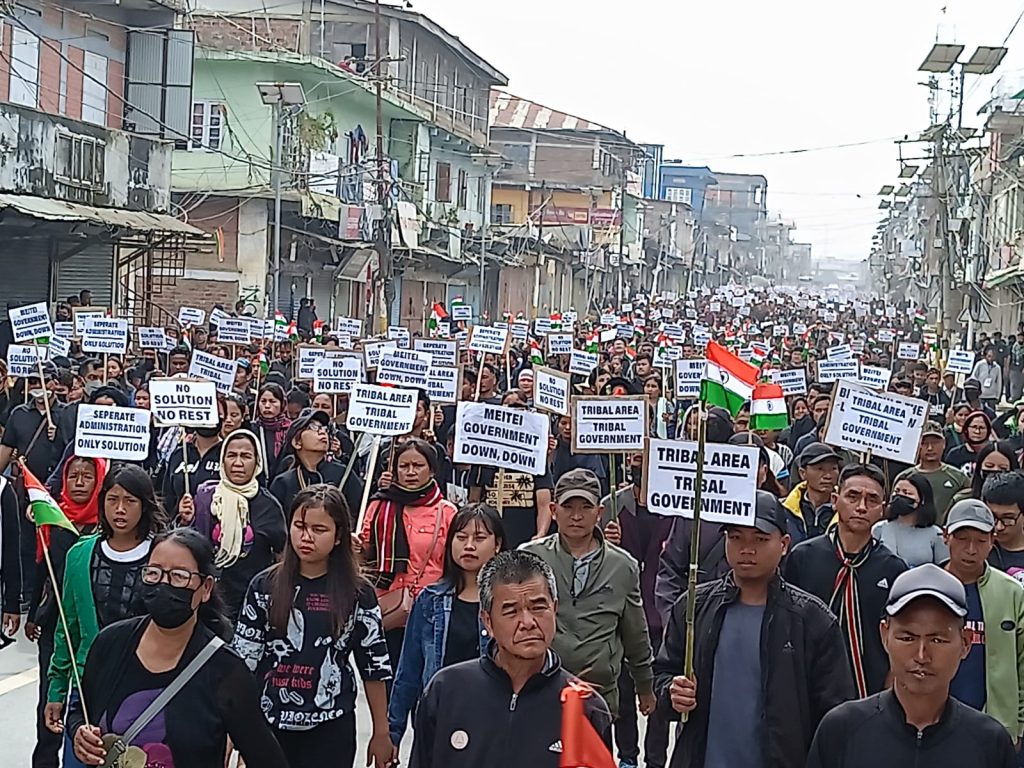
{"x": 242, "y": 519}
{"x": 303, "y": 618}
{"x": 133, "y": 662}
{"x": 102, "y": 576}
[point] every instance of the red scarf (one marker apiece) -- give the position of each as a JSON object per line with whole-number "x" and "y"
{"x": 389, "y": 545}
{"x": 82, "y": 515}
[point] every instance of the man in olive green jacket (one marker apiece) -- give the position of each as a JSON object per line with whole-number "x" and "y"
{"x": 991, "y": 676}
{"x": 600, "y": 620}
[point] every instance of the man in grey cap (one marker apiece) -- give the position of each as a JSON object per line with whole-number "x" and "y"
{"x": 945, "y": 479}
{"x": 991, "y": 677}
{"x": 810, "y": 502}
{"x": 769, "y": 660}
{"x": 601, "y": 621}
{"x": 916, "y": 722}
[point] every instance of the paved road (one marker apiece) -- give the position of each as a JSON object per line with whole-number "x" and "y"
{"x": 18, "y": 695}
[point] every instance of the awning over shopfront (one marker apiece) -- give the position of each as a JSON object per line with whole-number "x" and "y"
{"x": 59, "y": 210}
{"x": 999, "y": 277}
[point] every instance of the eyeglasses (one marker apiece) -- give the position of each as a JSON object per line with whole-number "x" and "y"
{"x": 316, "y": 426}
{"x": 1007, "y": 520}
{"x": 176, "y": 577}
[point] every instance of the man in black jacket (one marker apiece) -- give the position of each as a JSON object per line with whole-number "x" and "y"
{"x": 852, "y": 572}
{"x": 916, "y": 722}
{"x": 504, "y": 710}
{"x": 768, "y": 664}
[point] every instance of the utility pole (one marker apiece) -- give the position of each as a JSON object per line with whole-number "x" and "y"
{"x": 385, "y": 274}
{"x": 278, "y": 171}
{"x": 305, "y": 27}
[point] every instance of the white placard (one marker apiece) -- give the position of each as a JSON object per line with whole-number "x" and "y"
{"x": 560, "y": 344}
{"x": 83, "y": 316}
{"x": 961, "y": 361}
{"x": 673, "y": 331}
{"x": 184, "y": 403}
{"x": 21, "y": 359}
{"x": 444, "y": 384}
{"x": 875, "y": 377}
{"x": 840, "y": 352}
{"x": 799, "y": 329}
{"x": 780, "y": 330}
{"x": 461, "y": 313}
{"x": 105, "y": 336}
{"x": 404, "y": 368}
{"x": 886, "y": 336}
{"x": 337, "y": 374}
{"x": 216, "y": 369}
{"x": 59, "y": 347}
{"x": 665, "y": 357}
{"x": 793, "y": 381}
{"x": 520, "y": 330}
{"x": 609, "y": 319}
{"x": 908, "y": 350}
{"x": 728, "y": 491}
{"x": 381, "y": 410}
{"x": 234, "y": 330}
{"x": 834, "y": 370}
{"x": 551, "y": 391}
{"x": 111, "y": 432}
{"x": 888, "y": 425}
{"x": 64, "y": 328}
{"x": 542, "y": 326}
{"x": 688, "y": 376}
{"x": 306, "y": 358}
{"x": 31, "y": 321}
{"x": 217, "y": 316}
{"x": 488, "y": 339}
{"x": 191, "y": 316}
{"x": 442, "y": 351}
{"x": 609, "y": 424}
{"x": 401, "y": 335}
{"x": 582, "y": 363}
{"x": 372, "y": 350}
{"x": 497, "y": 436}
{"x": 152, "y": 338}
{"x": 351, "y": 325}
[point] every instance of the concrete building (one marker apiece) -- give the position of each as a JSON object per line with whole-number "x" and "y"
{"x": 564, "y": 211}
{"x": 89, "y": 113}
{"x": 436, "y": 131}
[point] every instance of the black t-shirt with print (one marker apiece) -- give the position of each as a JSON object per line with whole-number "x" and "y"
{"x": 304, "y": 675}
{"x": 519, "y": 497}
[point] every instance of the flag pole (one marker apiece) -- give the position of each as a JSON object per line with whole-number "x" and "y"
{"x": 691, "y": 601}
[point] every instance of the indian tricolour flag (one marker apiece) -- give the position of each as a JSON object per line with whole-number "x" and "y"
{"x": 728, "y": 381}
{"x": 768, "y": 408}
{"x": 44, "y": 509}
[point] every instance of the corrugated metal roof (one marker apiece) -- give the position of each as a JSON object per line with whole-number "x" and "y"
{"x": 508, "y": 111}
{"x": 59, "y": 210}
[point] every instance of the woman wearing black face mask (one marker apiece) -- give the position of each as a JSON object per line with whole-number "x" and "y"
{"x": 910, "y": 530}
{"x": 202, "y": 452}
{"x": 132, "y": 662}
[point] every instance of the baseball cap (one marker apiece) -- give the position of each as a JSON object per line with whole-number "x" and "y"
{"x": 972, "y": 384}
{"x": 578, "y": 484}
{"x": 244, "y": 363}
{"x": 526, "y": 373}
{"x": 928, "y": 580}
{"x": 931, "y": 429}
{"x": 816, "y": 453}
{"x": 970, "y": 513}
{"x": 769, "y": 515}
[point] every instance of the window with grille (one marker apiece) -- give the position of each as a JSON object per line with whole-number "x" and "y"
{"x": 679, "y": 195}
{"x": 501, "y": 213}
{"x": 80, "y": 160}
{"x": 207, "y": 126}
{"x": 463, "y": 189}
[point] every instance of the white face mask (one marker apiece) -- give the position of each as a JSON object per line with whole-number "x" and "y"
{"x": 37, "y": 394}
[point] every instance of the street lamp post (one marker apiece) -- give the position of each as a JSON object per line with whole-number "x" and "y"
{"x": 278, "y": 96}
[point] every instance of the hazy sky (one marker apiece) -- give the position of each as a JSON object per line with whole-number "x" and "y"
{"x": 714, "y": 80}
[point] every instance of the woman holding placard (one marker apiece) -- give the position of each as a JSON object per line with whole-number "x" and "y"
{"x": 403, "y": 534}
{"x": 242, "y": 519}
{"x": 271, "y": 423}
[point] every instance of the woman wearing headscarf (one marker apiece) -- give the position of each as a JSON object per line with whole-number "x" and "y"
{"x": 242, "y": 519}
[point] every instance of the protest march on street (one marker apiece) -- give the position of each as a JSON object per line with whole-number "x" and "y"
{"x": 762, "y": 538}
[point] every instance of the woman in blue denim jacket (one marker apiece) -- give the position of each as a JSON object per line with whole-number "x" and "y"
{"x": 444, "y": 626}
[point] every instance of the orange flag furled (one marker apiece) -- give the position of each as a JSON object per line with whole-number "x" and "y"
{"x": 582, "y": 746}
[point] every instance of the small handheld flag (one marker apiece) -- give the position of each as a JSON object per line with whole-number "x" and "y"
{"x": 768, "y": 408}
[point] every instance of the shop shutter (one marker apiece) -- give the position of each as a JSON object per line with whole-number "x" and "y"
{"x": 91, "y": 269}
